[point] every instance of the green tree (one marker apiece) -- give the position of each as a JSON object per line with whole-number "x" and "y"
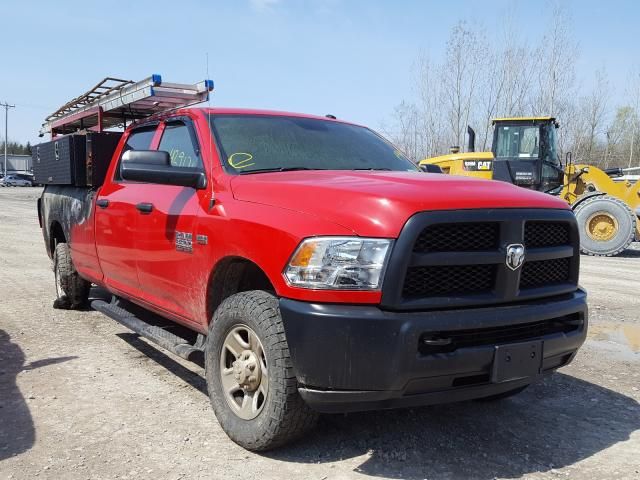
{"x": 16, "y": 148}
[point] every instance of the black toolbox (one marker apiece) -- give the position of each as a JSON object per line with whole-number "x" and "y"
{"x": 79, "y": 159}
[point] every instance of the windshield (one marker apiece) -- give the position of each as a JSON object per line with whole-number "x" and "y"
{"x": 258, "y": 143}
{"x": 518, "y": 142}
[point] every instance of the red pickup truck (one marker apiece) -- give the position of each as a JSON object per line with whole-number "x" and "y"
{"x": 317, "y": 269}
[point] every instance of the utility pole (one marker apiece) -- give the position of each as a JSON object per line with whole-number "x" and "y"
{"x": 6, "y": 130}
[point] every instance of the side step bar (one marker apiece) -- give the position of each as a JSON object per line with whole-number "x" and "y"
{"x": 158, "y": 335}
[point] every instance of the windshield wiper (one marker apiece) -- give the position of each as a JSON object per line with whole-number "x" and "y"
{"x": 277, "y": 169}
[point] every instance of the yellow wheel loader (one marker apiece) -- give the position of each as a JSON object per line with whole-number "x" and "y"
{"x": 524, "y": 152}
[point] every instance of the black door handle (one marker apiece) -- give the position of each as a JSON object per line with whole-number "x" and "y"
{"x": 145, "y": 207}
{"x": 102, "y": 202}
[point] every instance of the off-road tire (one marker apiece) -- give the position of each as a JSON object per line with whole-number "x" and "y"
{"x": 615, "y": 207}
{"x": 284, "y": 416}
{"x": 75, "y": 289}
{"x": 503, "y": 395}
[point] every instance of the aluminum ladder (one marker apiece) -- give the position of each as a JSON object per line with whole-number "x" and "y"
{"x": 113, "y": 102}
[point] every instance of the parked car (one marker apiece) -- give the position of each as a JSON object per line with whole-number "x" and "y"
{"x": 16, "y": 180}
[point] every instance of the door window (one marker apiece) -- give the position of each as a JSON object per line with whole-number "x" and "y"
{"x": 139, "y": 139}
{"x": 177, "y": 139}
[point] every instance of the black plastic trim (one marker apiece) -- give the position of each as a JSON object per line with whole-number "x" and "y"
{"x": 361, "y": 348}
{"x": 343, "y": 401}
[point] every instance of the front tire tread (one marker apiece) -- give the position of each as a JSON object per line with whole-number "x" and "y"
{"x": 288, "y": 416}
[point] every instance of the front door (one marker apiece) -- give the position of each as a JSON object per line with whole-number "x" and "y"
{"x": 166, "y": 243}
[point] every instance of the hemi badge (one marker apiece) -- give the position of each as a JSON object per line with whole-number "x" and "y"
{"x": 202, "y": 239}
{"x": 184, "y": 242}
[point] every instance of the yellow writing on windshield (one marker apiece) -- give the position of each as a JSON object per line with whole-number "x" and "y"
{"x": 240, "y": 160}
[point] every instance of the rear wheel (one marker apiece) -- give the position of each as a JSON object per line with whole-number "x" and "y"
{"x": 252, "y": 387}
{"x": 72, "y": 290}
{"x": 607, "y": 225}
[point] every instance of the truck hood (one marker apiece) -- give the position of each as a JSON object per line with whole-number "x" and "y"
{"x": 378, "y": 204}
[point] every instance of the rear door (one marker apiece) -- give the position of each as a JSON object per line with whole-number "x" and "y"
{"x": 116, "y": 220}
{"x": 166, "y": 239}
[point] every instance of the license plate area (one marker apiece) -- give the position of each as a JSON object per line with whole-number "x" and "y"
{"x": 516, "y": 360}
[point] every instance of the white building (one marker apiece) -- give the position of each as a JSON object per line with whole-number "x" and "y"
{"x": 16, "y": 163}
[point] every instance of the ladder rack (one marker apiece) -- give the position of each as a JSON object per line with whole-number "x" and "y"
{"x": 113, "y": 102}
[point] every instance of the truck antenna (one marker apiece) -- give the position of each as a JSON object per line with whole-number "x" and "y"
{"x": 212, "y": 201}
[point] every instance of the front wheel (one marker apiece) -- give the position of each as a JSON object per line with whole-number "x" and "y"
{"x": 607, "y": 225}
{"x": 252, "y": 387}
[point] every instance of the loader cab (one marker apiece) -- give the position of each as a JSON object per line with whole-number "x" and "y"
{"x": 525, "y": 153}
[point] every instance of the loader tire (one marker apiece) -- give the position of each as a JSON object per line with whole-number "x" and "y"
{"x": 607, "y": 226}
{"x": 247, "y": 340}
{"x": 72, "y": 290}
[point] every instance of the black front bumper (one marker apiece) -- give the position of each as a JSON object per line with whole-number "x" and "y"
{"x": 350, "y": 358}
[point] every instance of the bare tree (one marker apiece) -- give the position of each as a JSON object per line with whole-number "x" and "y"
{"x": 622, "y": 134}
{"x": 634, "y": 96}
{"x": 554, "y": 65}
{"x": 404, "y": 129}
{"x": 492, "y": 87}
{"x": 594, "y": 109}
{"x": 428, "y": 90}
{"x": 461, "y": 74}
{"x": 616, "y": 133}
{"x": 480, "y": 80}
{"x": 417, "y": 126}
{"x": 506, "y": 80}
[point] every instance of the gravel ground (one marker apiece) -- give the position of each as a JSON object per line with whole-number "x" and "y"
{"x": 82, "y": 398}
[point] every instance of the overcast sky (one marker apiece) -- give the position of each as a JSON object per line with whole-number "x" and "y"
{"x": 349, "y": 58}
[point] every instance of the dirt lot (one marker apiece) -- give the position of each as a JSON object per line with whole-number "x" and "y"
{"x": 81, "y": 398}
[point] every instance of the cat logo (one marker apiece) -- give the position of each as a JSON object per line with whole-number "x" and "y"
{"x": 477, "y": 165}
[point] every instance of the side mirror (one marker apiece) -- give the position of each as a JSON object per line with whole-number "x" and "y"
{"x": 154, "y": 166}
{"x": 430, "y": 168}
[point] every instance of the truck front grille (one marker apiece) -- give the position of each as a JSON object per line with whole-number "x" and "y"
{"x": 449, "y": 280}
{"x": 458, "y": 258}
{"x": 546, "y": 234}
{"x": 545, "y": 272}
{"x": 455, "y": 237}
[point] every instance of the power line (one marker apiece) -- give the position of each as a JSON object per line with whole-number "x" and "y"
{"x": 6, "y": 131}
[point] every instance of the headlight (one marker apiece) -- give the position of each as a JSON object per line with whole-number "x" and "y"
{"x": 346, "y": 263}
